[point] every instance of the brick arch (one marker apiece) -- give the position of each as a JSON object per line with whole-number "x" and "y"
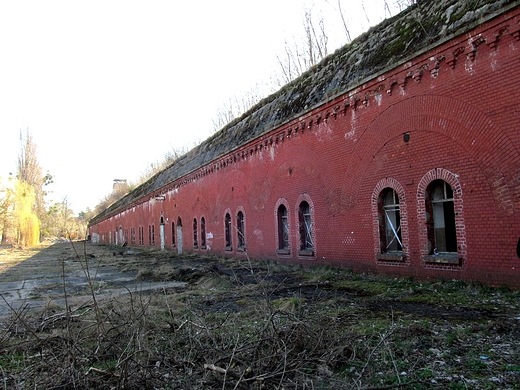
{"x": 279, "y": 202}
{"x": 301, "y": 198}
{"x": 459, "y": 121}
{"x": 234, "y": 218}
{"x": 395, "y": 185}
{"x": 453, "y": 181}
{"x": 305, "y": 163}
{"x": 232, "y": 181}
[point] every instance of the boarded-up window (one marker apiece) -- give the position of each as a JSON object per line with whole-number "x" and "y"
{"x": 241, "y": 230}
{"x": 305, "y": 225}
{"x": 389, "y": 221}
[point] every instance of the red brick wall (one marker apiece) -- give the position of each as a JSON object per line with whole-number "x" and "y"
{"x": 459, "y": 104}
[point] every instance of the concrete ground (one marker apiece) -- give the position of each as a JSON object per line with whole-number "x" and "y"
{"x": 62, "y": 274}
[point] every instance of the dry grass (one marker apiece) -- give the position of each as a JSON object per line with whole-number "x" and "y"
{"x": 278, "y": 327}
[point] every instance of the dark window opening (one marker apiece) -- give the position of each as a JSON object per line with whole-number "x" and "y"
{"x": 132, "y": 236}
{"x": 203, "y": 233}
{"x": 440, "y": 214}
{"x": 241, "y": 238}
{"x": 227, "y": 227}
{"x": 195, "y": 234}
{"x": 173, "y": 234}
{"x": 141, "y": 235}
{"x": 151, "y": 235}
{"x": 283, "y": 228}
{"x": 305, "y": 222}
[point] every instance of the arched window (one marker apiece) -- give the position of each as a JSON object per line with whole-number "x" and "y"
{"x": 227, "y": 228}
{"x": 179, "y": 239}
{"x": 283, "y": 229}
{"x": 195, "y": 234}
{"x": 132, "y": 236}
{"x": 305, "y": 228}
{"x": 140, "y": 232}
{"x": 389, "y": 215}
{"x": 174, "y": 232}
{"x": 151, "y": 235}
{"x": 440, "y": 216}
{"x": 241, "y": 231}
{"x": 203, "y": 233}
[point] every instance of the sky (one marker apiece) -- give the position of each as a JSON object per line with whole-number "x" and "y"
{"x": 107, "y": 87}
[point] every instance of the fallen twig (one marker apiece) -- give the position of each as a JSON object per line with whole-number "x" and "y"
{"x": 221, "y": 370}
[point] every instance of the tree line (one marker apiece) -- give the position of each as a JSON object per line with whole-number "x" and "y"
{"x": 25, "y": 216}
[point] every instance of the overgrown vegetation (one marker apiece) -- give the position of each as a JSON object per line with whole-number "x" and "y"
{"x": 240, "y": 324}
{"x": 26, "y": 217}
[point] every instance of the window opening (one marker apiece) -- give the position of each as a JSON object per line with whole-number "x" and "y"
{"x": 132, "y": 236}
{"x": 141, "y": 235}
{"x": 241, "y": 238}
{"x": 227, "y": 226}
{"x": 149, "y": 235}
{"x": 203, "y": 233}
{"x": 195, "y": 234}
{"x": 283, "y": 228}
{"x": 173, "y": 233}
{"x": 179, "y": 236}
{"x": 440, "y": 209}
{"x": 304, "y": 215}
{"x": 390, "y": 222}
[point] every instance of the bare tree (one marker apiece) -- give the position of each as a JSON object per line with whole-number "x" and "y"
{"x": 303, "y": 53}
{"x": 157, "y": 166}
{"x": 236, "y": 106}
{"x": 6, "y": 210}
{"x": 61, "y": 219}
{"x": 30, "y": 171}
{"x": 345, "y": 26}
{"x": 300, "y": 54}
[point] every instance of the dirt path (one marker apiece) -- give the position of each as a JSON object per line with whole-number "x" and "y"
{"x": 34, "y": 278}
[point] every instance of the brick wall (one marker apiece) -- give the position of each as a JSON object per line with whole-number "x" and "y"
{"x": 451, "y": 114}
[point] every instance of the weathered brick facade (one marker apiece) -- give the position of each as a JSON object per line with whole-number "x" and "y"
{"x": 318, "y": 187}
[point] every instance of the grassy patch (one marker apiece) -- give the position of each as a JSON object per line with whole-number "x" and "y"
{"x": 237, "y": 325}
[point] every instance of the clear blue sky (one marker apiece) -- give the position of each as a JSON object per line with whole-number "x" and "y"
{"x": 108, "y": 87}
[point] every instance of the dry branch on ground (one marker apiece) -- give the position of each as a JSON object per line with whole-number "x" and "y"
{"x": 245, "y": 324}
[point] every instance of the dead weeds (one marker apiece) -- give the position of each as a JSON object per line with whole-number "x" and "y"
{"x": 273, "y": 326}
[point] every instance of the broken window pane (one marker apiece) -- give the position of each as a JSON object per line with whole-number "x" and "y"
{"x": 241, "y": 230}
{"x": 283, "y": 228}
{"x": 442, "y": 230}
{"x": 304, "y": 216}
{"x": 390, "y": 221}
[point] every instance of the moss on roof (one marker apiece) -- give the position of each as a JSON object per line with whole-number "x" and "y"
{"x": 395, "y": 40}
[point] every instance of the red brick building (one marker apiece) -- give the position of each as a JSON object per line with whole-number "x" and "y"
{"x": 398, "y": 154}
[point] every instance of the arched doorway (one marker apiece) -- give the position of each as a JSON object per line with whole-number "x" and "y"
{"x": 179, "y": 235}
{"x": 161, "y": 233}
